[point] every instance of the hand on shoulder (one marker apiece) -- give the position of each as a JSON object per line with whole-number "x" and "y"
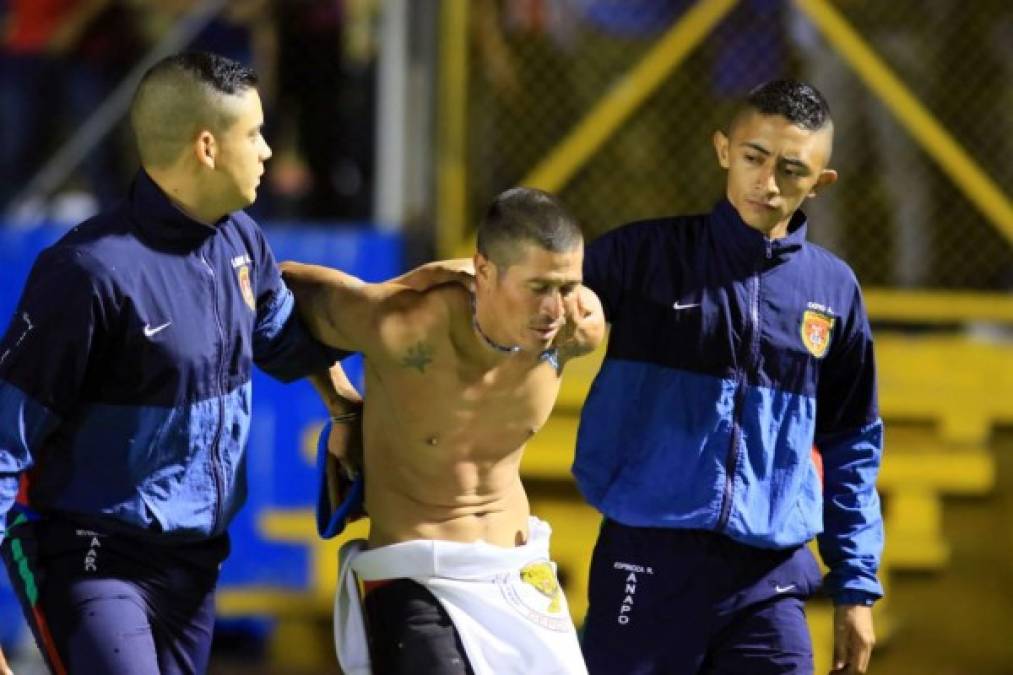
{"x": 439, "y": 272}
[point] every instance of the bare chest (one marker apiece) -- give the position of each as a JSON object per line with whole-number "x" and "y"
{"x": 468, "y": 412}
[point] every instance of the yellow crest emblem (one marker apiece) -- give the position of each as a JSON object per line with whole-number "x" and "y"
{"x": 243, "y": 274}
{"x": 817, "y": 328}
{"x": 542, "y": 577}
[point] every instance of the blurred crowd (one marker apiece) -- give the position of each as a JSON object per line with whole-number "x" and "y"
{"x": 536, "y": 68}
{"x": 62, "y": 58}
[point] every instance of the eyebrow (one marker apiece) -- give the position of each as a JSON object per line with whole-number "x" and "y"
{"x": 794, "y": 162}
{"x": 554, "y": 282}
{"x": 757, "y": 147}
{"x": 797, "y": 163}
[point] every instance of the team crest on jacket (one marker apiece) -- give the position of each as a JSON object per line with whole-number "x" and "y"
{"x": 243, "y": 273}
{"x": 817, "y": 327}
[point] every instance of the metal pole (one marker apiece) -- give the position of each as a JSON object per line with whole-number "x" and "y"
{"x": 392, "y": 111}
{"x": 451, "y": 177}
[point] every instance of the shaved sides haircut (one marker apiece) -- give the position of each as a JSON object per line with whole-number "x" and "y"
{"x": 526, "y": 215}
{"x": 181, "y": 95}
{"x": 799, "y": 103}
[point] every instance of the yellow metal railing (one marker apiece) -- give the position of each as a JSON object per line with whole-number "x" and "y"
{"x": 629, "y": 93}
{"x": 559, "y": 166}
{"x": 451, "y": 201}
{"x": 923, "y": 127}
{"x": 939, "y": 306}
{"x": 632, "y": 90}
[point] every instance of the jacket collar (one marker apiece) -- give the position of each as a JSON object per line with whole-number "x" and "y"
{"x": 745, "y": 242}
{"x": 158, "y": 218}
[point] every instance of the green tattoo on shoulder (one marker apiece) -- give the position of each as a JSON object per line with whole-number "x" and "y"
{"x": 419, "y": 356}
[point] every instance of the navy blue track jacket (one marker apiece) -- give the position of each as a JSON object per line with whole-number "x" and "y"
{"x": 730, "y": 355}
{"x": 125, "y": 372}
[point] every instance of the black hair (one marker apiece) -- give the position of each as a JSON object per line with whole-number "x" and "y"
{"x": 180, "y": 95}
{"x": 218, "y": 72}
{"x": 526, "y": 215}
{"x": 800, "y": 103}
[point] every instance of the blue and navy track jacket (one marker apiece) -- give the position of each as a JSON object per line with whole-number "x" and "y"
{"x": 730, "y": 355}
{"x": 125, "y": 372}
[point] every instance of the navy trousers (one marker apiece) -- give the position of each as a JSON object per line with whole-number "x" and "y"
{"x": 104, "y": 603}
{"x": 681, "y": 602}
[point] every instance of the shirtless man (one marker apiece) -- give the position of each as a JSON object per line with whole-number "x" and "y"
{"x": 457, "y": 573}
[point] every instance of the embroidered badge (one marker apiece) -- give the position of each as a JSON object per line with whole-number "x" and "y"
{"x": 243, "y": 273}
{"x": 817, "y": 328}
{"x": 534, "y": 592}
{"x": 543, "y": 578}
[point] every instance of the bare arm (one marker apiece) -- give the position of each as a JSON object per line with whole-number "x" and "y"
{"x": 340, "y": 310}
{"x": 344, "y": 444}
{"x": 585, "y": 325}
{"x": 460, "y": 270}
{"x": 345, "y": 312}
{"x": 337, "y": 392}
{"x": 344, "y": 405}
{"x": 854, "y": 638}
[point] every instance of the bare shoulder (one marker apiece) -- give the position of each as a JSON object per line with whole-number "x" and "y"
{"x": 452, "y": 300}
{"x": 430, "y": 306}
{"x": 419, "y": 320}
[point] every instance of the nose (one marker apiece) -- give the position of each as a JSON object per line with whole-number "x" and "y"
{"x": 767, "y": 181}
{"x": 266, "y": 152}
{"x": 552, "y": 306}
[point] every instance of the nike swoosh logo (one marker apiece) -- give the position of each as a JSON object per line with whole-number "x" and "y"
{"x": 149, "y": 331}
{"x": 677, "y": 306}
{"x": 783, "y": 589}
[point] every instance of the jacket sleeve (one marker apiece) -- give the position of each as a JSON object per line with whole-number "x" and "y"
{"x": 849, "y": 436}
{"x": 282, "y": 346}
{"x": 605, "y": 264}
{"x": 44, "y": 359}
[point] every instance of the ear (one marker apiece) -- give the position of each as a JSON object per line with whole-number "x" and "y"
{"x": 205, "y": 149}
{"x": 721, "y": 148}
{"x": 484, "y": 269}
{"x": 826, "y": 178}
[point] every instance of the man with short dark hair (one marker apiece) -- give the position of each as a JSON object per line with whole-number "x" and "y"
{"x": 125, "y": 391}
{"x": 457, "y": 572}
{"x": 735, "y": 346}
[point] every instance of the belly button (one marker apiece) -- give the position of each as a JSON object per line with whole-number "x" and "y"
{"x": 432, "y": 440}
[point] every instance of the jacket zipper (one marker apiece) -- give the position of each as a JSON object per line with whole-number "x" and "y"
{"x": 215, "y": 449}
{"x": 735, "y": 449}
